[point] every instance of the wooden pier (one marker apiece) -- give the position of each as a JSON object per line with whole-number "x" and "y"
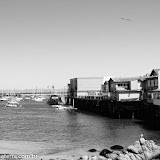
{"x": 149, "y": 113}
{"x": 110, "y": 108}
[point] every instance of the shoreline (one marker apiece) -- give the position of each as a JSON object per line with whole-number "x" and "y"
{"x": 26, "y": 148}
{"x": 140, "y": 149}
{"x": 65, "y": 155}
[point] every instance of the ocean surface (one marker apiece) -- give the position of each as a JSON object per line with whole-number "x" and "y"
{"x": 45, "y": 130}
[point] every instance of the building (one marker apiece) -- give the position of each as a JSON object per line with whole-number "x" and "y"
{"x": 151, "y": 87}
{"x": 86, "y": 86}
{"x": 125, "y": 89}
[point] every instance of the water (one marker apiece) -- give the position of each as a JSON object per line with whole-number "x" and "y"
{"x": 45, "y": 130}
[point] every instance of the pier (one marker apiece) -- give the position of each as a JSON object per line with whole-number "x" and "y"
{"x": 149, "y": 113}
{"x": 110, "y": 108}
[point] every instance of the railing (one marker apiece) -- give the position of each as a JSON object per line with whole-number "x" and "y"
{"x": 93, "y": 97}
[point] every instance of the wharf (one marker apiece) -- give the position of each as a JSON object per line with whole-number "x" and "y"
{"x": 110, "y": 108}
{"x": 119, "y": 109}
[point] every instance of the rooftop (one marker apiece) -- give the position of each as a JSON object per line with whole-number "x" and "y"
{"x": 122, "y": 79}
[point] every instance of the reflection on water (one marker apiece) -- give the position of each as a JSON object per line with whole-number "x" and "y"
{"x": 57, "y": 130}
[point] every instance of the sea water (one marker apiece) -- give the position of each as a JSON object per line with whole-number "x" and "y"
{"x": 41, "y": 129}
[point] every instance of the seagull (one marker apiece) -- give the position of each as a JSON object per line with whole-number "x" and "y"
{"x": 141, "y": 136}
{"x": 142, "y": 140}
{"x": 127, "y": 19}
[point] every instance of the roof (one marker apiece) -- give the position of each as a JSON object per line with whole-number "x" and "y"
{"x": 88, "y": 78}
{"x": 124, "y": 79}
{"x": 151, "y": 77}
{"x": 154, "y": 72}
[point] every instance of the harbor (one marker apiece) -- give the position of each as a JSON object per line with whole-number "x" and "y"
{"x": 124, "y": 97}
{"x": 117, "y": 98}
{"x": 56, "y": 125}
{"x": 47, "y": 132}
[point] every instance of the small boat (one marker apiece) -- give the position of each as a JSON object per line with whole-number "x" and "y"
{"x": 38, "y": 99}
{"x": 12, "y": 103}
{"x": 63, "y": 107}
{"x": 72, "y": 108}
{"x": 18, "y": 98}
{"x": 59, "y": 107}
{"x": 3, "y": 98}
{"x": 27, "y": 98}
{"x": 54, "y": 100}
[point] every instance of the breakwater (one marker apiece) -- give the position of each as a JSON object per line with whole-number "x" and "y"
{"x": 117, "y": 109}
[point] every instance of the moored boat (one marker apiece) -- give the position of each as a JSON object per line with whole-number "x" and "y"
{"x": 18, "y": 98}
{"x": 63, "y": 107}
{"x": 12, "y": 103}
{"x": 3, "y": 98}
{"x": 54, "y": 100}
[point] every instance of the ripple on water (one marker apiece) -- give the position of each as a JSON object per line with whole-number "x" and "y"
{"x": 41, "y": 128}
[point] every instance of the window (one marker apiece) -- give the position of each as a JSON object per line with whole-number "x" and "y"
{"x": 156, "y": 82}
{"x": 155, "y": 95}
{"x": 148, "y": 82}
{"x": 149, "y": 95}
{"x": 152, "y": 82}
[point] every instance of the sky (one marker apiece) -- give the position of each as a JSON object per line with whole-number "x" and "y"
{"x": 49, "y": 42}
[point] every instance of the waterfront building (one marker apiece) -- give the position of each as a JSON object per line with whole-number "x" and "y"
{"x": 125, "y": 89}
{"x": 151, "y": 87}
{"x": 86, "y": 86}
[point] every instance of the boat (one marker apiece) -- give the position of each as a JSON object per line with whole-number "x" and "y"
{"x": 18, "y": 98}
{"x": 38, "y": 98}
{"x": 71, "y": 108}
{"x": 3, "y": 98}
{"x": 59, "y": 107}
{"x": 64, "y": 107}
{"x": 12, "y": 103}
{"x": 54, "y": 100}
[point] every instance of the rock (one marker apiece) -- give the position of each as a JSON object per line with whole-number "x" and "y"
{"x": 117, "y": 152}
{"x": 122, "y": 157}
{"x": 141, "y": 156}
{"x": 104, "y": 152}
{"x": 138, "y": 157}
{"x": 132, "y": 156}
{"x": 135, "y": 148}
{"x": 92, "y": 150}
{"x": 139, "y": 150}
{"x": 127, "y": 157}
{"x": 117, "y": 147}
{"x": 113, "y": 156}
{"x": 103, "y": 158}
{"x": 95, "y": 158}
{"x": 124, "y": 151}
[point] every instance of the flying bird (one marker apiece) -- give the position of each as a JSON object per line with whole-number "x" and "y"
{"x": 127, "y": 19}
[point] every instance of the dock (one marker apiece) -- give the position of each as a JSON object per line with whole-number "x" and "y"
{"x": 140, "y": 110}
